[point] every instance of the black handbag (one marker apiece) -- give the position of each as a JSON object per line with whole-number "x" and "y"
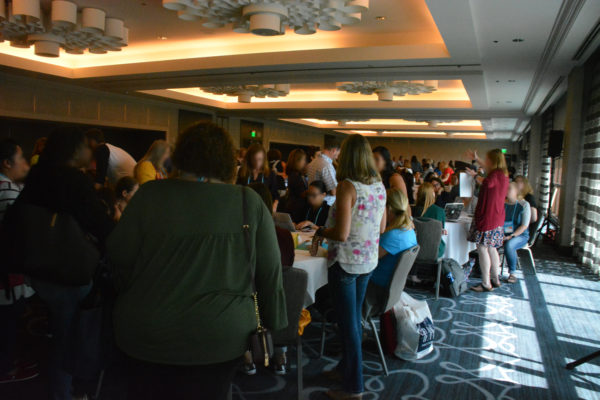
{"x": 261, "y": 342}
{"x": 50, "y": 246}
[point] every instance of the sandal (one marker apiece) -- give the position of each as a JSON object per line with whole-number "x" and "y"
{"x": 480, "y": 288}
{"x": 496, "y": 283}
{"x": 512, "y": 279}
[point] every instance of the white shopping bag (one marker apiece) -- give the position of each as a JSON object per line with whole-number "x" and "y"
{"x": 414, "y": 328}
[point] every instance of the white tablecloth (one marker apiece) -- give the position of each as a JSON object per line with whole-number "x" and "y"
{"x": 457, "y": 246}
{"x": 316, "y": 267}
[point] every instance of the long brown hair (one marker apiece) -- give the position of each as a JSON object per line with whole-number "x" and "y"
{"x": 356, "y": 161}
{"x": 425, "y": 196}
{"x": 293, "y": 160}
{"x": 246, "y": 167}
{"x": 498, "y": 161}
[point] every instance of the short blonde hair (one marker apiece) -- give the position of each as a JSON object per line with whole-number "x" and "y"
{"x": 356, "y": 161}
{"x": 397, "y": 203}
{"x": 527, "y": 189}
{"x": 425, "y": 197}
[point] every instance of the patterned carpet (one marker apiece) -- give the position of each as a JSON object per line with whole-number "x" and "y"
{"x": 509, "y": 344}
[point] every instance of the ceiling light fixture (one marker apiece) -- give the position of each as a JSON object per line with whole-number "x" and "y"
{"x": 24, "y": 23}
{"x": 433, "y": 123}
{"x": 271, "y": 17}
{"x": 380, "y": 18}
{"x": 518, "y": 40}
{"x": 387, "y": 90}
{"x": 245, "y": 93}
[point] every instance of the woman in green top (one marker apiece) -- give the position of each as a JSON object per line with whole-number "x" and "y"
{"x": 426, "y": 208}
{"x": 184, "y": 310}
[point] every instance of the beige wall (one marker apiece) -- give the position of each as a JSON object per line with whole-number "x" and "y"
{"x": 439, "y": 149}
{"x": 22, "y": 97}
{"x": 275, "y": 131}
{"x": 29, "y": 98}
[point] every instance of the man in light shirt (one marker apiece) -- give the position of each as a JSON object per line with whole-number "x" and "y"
{"x": 321, "y": 168}
{"x": 112, "y": 162}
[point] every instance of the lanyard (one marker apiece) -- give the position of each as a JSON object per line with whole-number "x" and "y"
{"x": 317, "y": 217}
{"x": 262, "y": 178}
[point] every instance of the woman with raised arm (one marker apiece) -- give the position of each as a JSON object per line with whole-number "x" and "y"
{"x": 487, "y": 229}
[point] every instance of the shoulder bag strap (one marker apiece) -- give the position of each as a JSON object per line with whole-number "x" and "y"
{"x": 246, "y": 230}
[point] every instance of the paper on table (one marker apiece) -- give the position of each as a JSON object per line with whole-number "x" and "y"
{"x": 466, "y": 185}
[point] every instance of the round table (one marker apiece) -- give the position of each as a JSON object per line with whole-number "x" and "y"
{"x": 316, "y": 268}
{"x": 457, "y": 245}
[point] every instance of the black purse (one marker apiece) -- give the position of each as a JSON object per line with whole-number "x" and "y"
{"x": 50, "y": 246}
{"x": 261, "y": 342}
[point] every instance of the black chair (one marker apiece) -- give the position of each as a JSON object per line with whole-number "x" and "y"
{"x": 429, "y": 237}
{"x": 379, "y": 300}
{"x": 295, "y": 282}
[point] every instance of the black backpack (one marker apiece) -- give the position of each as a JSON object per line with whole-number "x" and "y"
{"x": 453, "y": 282}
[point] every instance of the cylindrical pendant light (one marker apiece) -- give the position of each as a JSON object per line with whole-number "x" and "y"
{"x": 431, "y": 84}
{"x": 114, "y": 28}
{"x": 355, "y": 6}
{"x": 30, "y": 9}
{"x": 93, "y": 20}
{"x": 63, "y": 14}
{"x": 265, "y": 19}
{"x": 306, "y": 29}
{"x": 385, "y": 94}
{"x": 245, "y": 96}
{"x": 283, "y": 88}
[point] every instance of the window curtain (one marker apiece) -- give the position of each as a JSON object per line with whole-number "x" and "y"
{"x": 587, "y": 228}
{"x": 544, "y": 185}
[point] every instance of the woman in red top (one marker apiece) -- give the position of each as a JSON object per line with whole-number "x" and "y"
{"x": 446, "y": 172}
{"x": 487, "y": 229}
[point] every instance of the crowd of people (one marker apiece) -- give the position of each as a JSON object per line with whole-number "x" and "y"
{"x": 172, "y": 228}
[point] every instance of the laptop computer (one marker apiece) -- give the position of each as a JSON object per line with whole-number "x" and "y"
{"x": 284, "y": 221}
{"x": 453, "y": 211}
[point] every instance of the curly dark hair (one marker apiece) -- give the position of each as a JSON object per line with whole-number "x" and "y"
{"x": 207, "y": 151}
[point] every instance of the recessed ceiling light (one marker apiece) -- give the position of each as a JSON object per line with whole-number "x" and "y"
{"x": 495, "y": 41}
{"x": 511, "y": 80}
{"x": 518, "y": 40}
{"x": 162, "y": 38}
{"x": 380, "y": 18}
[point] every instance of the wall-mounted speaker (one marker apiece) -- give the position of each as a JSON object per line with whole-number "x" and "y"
{"x": 555, "y": 143}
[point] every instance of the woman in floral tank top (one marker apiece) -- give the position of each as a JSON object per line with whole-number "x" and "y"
{"x": 355, "y": 222}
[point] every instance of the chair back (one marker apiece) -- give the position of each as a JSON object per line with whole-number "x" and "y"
{"x": 429, "y": 237}
{"x": 538, "y": 228}
{"x": 405, "y": 263}
{"x": 295, "y": 282}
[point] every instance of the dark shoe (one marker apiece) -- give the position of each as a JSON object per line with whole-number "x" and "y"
{"x": 19, "y": 375}
{"x": 480, "y": 288}
{"x": 341, "y": 395}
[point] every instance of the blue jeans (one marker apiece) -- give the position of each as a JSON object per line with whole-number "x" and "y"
{"x": 348, "y": 294}
{"x": 63, "y": 303}
{"x": 510, "y": 251}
